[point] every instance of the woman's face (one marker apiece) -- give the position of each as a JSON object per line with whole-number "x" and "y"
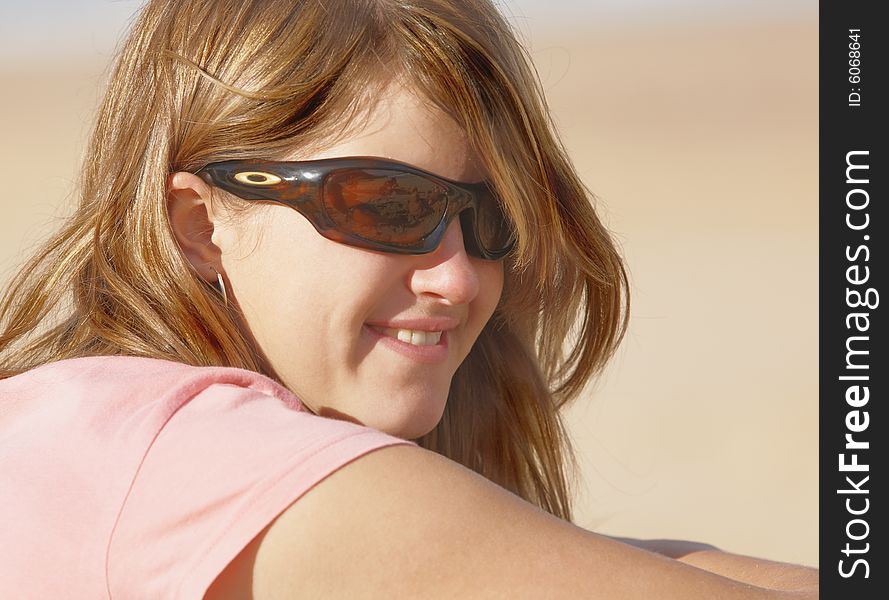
{"x": 311, "y": 303}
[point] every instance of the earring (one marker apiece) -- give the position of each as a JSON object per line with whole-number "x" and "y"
{"x": 220, "y": 285}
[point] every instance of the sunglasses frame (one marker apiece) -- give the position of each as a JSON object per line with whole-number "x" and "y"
{"x": 300, "y": 185}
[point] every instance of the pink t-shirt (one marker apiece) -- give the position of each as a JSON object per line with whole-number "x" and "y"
{"x": 125, "y": 477}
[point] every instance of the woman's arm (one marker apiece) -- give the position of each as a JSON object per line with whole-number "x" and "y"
{"x": 755, "y": 571}
{"x": 403, "y": 522}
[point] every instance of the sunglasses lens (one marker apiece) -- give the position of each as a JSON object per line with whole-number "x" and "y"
{"x": 384, "y": 205}
{"x": 493, "y": 231}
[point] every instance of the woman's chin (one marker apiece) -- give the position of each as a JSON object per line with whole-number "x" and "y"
{"x": 412, "y": 421}
{"x": 408, "y": 413}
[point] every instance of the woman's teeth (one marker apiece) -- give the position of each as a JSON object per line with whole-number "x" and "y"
{"x": 417, "y": 338}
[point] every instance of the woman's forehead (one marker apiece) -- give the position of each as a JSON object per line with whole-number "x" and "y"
{"x": 404, "y": 126}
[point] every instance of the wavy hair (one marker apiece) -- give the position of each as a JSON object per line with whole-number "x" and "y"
{"x": 198, "y": 81}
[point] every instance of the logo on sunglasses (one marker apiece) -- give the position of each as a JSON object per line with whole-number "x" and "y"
{"x": 257, "y": 178}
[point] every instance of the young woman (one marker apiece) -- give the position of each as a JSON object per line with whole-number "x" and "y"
{"x": 330, "y": 281}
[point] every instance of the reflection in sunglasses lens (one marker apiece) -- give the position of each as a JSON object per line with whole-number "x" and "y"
{"x": 491, "y": 222}
{"x": 384, "y": 205}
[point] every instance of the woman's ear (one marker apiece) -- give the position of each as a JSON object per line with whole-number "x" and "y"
{"x": 193, "y": 222}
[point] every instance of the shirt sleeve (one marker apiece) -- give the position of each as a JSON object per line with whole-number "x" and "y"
{"x": 223, "y": 467}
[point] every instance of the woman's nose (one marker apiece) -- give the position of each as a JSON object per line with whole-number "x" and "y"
{"x": 447, "y": 271}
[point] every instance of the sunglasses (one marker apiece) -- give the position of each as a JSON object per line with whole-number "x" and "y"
{"x": 373, "y": 203}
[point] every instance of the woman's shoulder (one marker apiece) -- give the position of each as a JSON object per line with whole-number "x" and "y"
{"x": 120, "y": 399}
{"x": 107, "y": 452}
{"x": 144, "y": 376}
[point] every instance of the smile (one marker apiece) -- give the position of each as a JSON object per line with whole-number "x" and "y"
{"x": 429, "y": 347}
{"x": 411, "y": 336}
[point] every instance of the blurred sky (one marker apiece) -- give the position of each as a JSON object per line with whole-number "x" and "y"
{"x": 70, "y": 31}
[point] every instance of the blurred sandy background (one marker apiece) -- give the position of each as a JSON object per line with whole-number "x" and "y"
{"x": 696, "y": 126}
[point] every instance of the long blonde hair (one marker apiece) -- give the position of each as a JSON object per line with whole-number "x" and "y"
{"x": 204, "y": 80}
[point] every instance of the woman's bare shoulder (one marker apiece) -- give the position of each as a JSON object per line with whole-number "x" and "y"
{"x": 405, "y": 522}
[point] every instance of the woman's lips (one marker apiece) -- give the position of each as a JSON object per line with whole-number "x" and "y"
{"x": 415, "y": 337}
{"x": 431, "y": 354}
